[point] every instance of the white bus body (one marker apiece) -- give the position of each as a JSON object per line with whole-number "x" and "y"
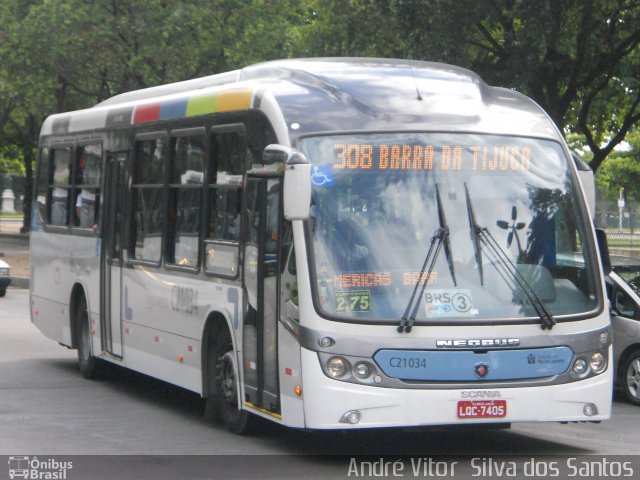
{"x": 160, "y": 243}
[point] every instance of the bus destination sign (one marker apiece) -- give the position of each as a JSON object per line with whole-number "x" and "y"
{"x": 358, "y": 156}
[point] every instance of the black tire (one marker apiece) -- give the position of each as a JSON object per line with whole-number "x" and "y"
{"x": 88, "y": 364}
{"x": 3, "y": 292}
{"x": 222, "y": 405}
{"x": 630, "y": 378}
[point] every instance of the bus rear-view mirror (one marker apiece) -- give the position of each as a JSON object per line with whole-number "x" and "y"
{"x": 297, "y": 180}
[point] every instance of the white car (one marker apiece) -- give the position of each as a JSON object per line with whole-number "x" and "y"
{"x": 623, "y": 288}
{"x": 5, "y": 276}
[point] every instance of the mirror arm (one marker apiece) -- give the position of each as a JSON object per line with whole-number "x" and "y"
{"x": 603, "y": 246}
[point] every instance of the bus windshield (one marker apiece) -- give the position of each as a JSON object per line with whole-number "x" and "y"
{"x": 381, "y": 200}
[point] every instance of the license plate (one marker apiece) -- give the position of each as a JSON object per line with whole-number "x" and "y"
{"x": 482, "y": 409}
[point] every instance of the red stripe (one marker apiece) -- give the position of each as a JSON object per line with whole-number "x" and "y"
{"x": 146, "y": 113}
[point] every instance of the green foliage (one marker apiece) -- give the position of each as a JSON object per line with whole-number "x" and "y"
{"x": 350, "y": 28}
{"x": 579, "y": 59}
{"x": 11, "y": 160}
{"x": 621, "y": 170}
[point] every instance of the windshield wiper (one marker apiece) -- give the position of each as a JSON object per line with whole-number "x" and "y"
{"x": 439, "y": 239}
{"x": 475, "y": 234}
{"x": 481, "y": 236}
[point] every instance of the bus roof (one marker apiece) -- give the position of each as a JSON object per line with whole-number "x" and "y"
{"x": 330, "y": 95}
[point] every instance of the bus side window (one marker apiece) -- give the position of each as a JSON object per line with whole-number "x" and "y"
{"x": 59, "y": 189}
{"x": 42, "y": 183}
{"x": 229, "y": 161}
{"x": 87, "y": 186}
{"x": 185, "y": 200}
{"x": 148, "y": 200}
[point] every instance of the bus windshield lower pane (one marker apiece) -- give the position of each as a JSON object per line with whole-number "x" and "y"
{"x": 375, "y": 211}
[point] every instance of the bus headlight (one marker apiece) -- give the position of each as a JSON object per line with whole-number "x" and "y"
{"x": 580, "y": 366}
{"x": 598, "y": 362}
{"x": 362, "y": 370}
{"x": 352, "y": 369}
{"x": 337, "y": 367}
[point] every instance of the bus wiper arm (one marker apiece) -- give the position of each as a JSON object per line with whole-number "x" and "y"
{"x": 505, "y": 267}
{"x": 446, "y": 241}
{"x": 475, "y": 234}
{"x": 439, "y": 239}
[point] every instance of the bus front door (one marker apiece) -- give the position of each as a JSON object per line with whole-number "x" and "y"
{"x": 111, "y": 262}
{"x": 261, "y": 264}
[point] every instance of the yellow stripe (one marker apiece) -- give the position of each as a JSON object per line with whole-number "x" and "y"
{"x": 234, "y": 100}
{"x": 262, "y": 410}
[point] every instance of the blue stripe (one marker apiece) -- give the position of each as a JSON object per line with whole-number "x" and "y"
{"x": 173, "y": 109}
{"x": 460, "y": 366}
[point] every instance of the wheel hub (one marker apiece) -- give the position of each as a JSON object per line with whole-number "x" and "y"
{"x": 228, "y": 378}
{"x": 633, "y": 378}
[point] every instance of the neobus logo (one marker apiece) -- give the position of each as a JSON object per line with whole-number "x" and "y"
{"x": 481, "y": 342}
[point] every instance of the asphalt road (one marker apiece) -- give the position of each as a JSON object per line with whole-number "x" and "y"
{"x": 47, "y": 408}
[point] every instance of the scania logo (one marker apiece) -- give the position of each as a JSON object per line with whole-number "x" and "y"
{"x": 480, "y": 394}
{"x": 481, "y": 369}
{"x": 479, "y": 343}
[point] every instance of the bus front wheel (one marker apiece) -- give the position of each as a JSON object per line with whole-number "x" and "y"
{"x": 87, "y": 363}
{"x": 223, "y": 404}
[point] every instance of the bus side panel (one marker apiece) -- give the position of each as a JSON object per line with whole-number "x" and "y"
{"x": 176, "y": 304}
{"x": 163, "y": 355}
{"x": 163, "y": 320}
{"x": 58, "y": 263}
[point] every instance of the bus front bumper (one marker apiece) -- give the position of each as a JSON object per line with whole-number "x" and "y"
{"x": 331, "y": 404}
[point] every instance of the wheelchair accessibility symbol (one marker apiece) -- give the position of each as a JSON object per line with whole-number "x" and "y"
{"x": 320, "y": 178}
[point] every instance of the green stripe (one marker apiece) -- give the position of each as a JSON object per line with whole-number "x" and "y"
{"x": 201, "y": 105}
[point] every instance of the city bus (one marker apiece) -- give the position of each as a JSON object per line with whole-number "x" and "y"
{"x": 327, "y": 244}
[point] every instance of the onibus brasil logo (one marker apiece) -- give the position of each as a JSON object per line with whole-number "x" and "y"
{"x": 37, "y": 469}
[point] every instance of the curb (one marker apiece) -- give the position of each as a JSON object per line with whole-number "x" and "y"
{"x": 14, "y": 235}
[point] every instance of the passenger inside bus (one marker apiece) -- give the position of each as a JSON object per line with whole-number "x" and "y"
{"x": 87, "y": 199}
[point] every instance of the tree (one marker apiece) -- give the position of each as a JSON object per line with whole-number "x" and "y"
{"x": 61, "y": 55}
{"x": 622, "y": 170}
{"x": 10, "y": 160}
{"x": 577, "y": 58}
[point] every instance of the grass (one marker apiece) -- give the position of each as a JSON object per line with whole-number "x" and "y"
{"x": 11, "y": 215}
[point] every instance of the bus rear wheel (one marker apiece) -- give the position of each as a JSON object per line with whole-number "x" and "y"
{"x": 87, "y": 363}
{"x": 223, "y": 404}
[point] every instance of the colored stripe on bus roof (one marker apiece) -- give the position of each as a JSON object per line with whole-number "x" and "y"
{"x": 173, "y": 109}
{"x": 219, "y": 102}
{"x": 146, "y": 113}
{"x": 225, "y": 101}
{"x": 234, "y": 100}
{"x": 201, "y": 105}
